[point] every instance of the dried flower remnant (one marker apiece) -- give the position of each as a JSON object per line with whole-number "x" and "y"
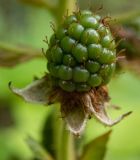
{"x": 81, "y": 61}
{"x": 130, "y": 40}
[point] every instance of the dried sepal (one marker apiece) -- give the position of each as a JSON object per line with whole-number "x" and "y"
{"x": 73, "y": 111}
{"x": 102, "y": 116}
{"x": 36, "y": 92}
{"x": 76, "y": 107}
{"x": 99, "y": 98}
{"x": 75, "y": 118}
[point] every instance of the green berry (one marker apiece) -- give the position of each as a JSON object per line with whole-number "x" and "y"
{"x": 89, "y": 21}
{"x": 53, "y": 40}
{"x": 106, "y": 41}
{"x": 94, "y": 51}
{"x": 80, "y": 74}
{"x": 95, "y": 80}
{"x": 56, "y": 55}
{"x": 102, "y": 30}
{"x": 65, "y": 72}
{"x": 106, "y": 72}
{"x": 75, "y": 30}
{"x": 97, "y": 17}
{"x": 68, "y": 60}
{"x": 67, "y": 44}
{"x": 85, "y": 12}
{"x": 60, "y": 33}
{"x": 92, "y": 66}
{"x": 90, "y": 36}
{"x": 67, "y": 85}
{"x": 80, "y": 53}
{"x": 82, "y": 87}
{"x": 70, "y": 19}
{"x": 107, "y": 57}
{"x": 53, "y": 69}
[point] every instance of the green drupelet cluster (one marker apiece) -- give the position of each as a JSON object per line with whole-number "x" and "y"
{"x": 81, "y": 53}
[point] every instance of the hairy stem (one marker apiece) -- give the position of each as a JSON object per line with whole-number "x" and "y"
{"x": 65, "y": 144}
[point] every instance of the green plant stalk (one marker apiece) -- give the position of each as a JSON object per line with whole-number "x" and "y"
{"x": 63, "y": 7}
{"x": 64, "y": 141}
{"x": 57, "y": 11}
{"x": 66, "y": 145}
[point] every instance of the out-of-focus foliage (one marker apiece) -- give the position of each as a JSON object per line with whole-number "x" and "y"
{"x": 96, "y": 149}
{"x": 23, "y": 24}
{"x": 11, "y": 56}
{"x": 38, "y": 150}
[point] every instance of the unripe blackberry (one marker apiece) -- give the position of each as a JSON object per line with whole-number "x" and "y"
{"x": 81, "y": 59}
{"x": 81, "y": 53}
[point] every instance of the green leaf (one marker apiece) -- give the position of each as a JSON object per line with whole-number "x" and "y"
{"x": 96, "y": 149}
{"x": 48, "y": 133}
{"x": 38, "y": 150}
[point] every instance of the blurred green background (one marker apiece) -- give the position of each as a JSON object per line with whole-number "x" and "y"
{"x": 26, "y": 25}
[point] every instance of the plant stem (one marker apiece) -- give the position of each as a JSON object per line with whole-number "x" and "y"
{"x": 57, "y": 11}
{"x": 66, "y": 145}
{"x": 64, "y": 142}
{"x": 63, "y": 7}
